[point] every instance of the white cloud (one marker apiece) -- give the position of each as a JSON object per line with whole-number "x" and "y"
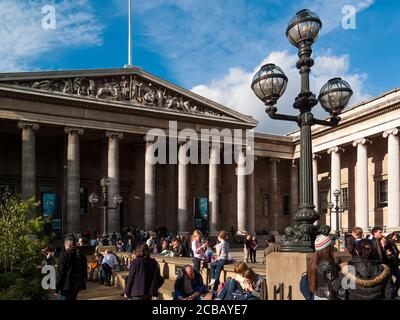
{"x": 22, "y": 38}
{"x": 233, "y": 90}
{"x": 203, "y": 39}
{"x": 330, "y": 12}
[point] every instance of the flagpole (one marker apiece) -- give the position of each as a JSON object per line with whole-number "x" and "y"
{"x": 129, "y": 34}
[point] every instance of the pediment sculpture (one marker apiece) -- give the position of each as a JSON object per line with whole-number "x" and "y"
{"x": 130, "y": 89}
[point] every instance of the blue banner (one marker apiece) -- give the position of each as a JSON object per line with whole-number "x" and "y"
{"x": 203, "y": 208}
{"x": 49, "y": 204}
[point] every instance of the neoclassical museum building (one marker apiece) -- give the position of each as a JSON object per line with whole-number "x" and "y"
{"x": 61, "y": 132}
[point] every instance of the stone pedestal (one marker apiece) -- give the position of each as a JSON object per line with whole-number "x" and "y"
{"x": 283, "y": 273}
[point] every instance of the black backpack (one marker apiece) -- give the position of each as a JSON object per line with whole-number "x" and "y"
{"x": 304, "y": 288}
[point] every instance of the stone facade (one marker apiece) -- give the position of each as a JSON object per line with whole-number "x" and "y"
{"x": 61, "y": 132}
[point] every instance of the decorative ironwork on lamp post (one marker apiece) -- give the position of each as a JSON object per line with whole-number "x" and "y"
{"x": 93, "y": 199}
{"x": 269, "y": 84}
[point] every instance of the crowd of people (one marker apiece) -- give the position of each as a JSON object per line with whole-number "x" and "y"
{"x": 371, "y": 274}
{"x": 373, "y": 270}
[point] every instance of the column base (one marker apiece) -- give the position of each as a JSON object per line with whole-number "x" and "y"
{"x": 213, "y": 233}
{"x": 151, "y": 233}
{"x": 183, "y": 233}
{"x": 242, "y": 233}
{"x": 391, "y": 229}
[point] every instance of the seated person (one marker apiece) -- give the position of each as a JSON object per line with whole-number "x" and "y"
{"x": 108, "y": 264}
{"x": 252, "y": 284}
{"x": 177, "y": 248}
{"x": 246, "y": 285}
{"x": 189, "y": 285}
{"x": 94, "y": 267}
{"x": 164, "y": 248}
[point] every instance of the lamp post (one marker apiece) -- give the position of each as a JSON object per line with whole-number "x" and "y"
{"x": 337, "y": 209}
{"x": 93, "y": 199}
{"x": 269, "y": 84}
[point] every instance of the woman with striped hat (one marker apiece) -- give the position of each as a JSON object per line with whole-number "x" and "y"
{"x": 323, "y": 274}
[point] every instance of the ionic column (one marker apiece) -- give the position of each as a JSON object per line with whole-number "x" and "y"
{"x": 241, "y": 191}
{"x": 335, "y": 179}
{"x": 294, "y": 190}
{"x": 73, "y": 180}
{"x": 393, "y": 178}
{"x": 183, "y": 189}
{"x": 149, "y": 185}
{"x": 250, "y": 201}
{"x": 362, "y": 211}
{"x": 315, "y": 180}
{"x": 28, "y": 176}
{"x": 113, "y": 219}
{"x": 275, "y": 196}
{"x": 213, "y": 189}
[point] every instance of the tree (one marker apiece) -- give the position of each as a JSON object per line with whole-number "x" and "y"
{"x": 21, "y": 244}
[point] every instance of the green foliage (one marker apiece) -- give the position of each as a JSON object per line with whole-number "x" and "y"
{"x": 7, "y": 279}
{"x": 21, "y": 244}
{"x": 24, "y": 289}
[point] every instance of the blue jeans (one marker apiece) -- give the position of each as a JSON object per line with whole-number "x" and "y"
{"x": 176, "y": 294}
{"x": 227, "y": 291}
{"x": 216, "y": 268}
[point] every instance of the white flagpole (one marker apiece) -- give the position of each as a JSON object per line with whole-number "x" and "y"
{"x": 129, "y": 34}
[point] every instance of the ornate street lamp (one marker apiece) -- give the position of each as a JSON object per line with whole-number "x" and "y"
{"x": 337, "y": 208}
{"x": 269, "y": 84}
{"x": 94, "y": 199}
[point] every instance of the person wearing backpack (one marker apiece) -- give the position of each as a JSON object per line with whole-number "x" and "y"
{"x": 72, "y": 271}
{"x": 323, "y": 273}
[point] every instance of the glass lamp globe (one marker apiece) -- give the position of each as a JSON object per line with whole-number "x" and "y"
{"x": 303, "y": 28}
{"x": 269, "y": 83}
{"x": 335, "y": 95}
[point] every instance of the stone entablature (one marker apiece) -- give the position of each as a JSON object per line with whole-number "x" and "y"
{"x": 368, "y": 119}
{"x": 129, "y": 87}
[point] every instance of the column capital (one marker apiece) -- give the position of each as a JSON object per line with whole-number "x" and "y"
{"x": 71, "y": 130}
{"x": 24, "y": 125}
{"x": 114, "y": 135}
{"x": 316, "y": 156}
{"x": 274, "y": 160}
{"x": 335, "y": 149}
{"x": 361, "y": 141}
{"x": 393, "y": 131}
{"x": 150, "y": 138}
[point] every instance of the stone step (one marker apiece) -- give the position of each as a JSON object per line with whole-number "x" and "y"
{"x": 165, "y": 292}
{"x": 96, "y": 291}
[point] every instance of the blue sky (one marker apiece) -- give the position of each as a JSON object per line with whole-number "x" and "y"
{"x": 212, "y": 47}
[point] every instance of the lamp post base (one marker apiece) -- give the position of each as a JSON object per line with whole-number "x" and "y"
{"x": 301, "y": 237}
{"x": 297, "y": 246}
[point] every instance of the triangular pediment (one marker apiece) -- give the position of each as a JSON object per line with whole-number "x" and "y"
{"x": 129, "y": 86}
